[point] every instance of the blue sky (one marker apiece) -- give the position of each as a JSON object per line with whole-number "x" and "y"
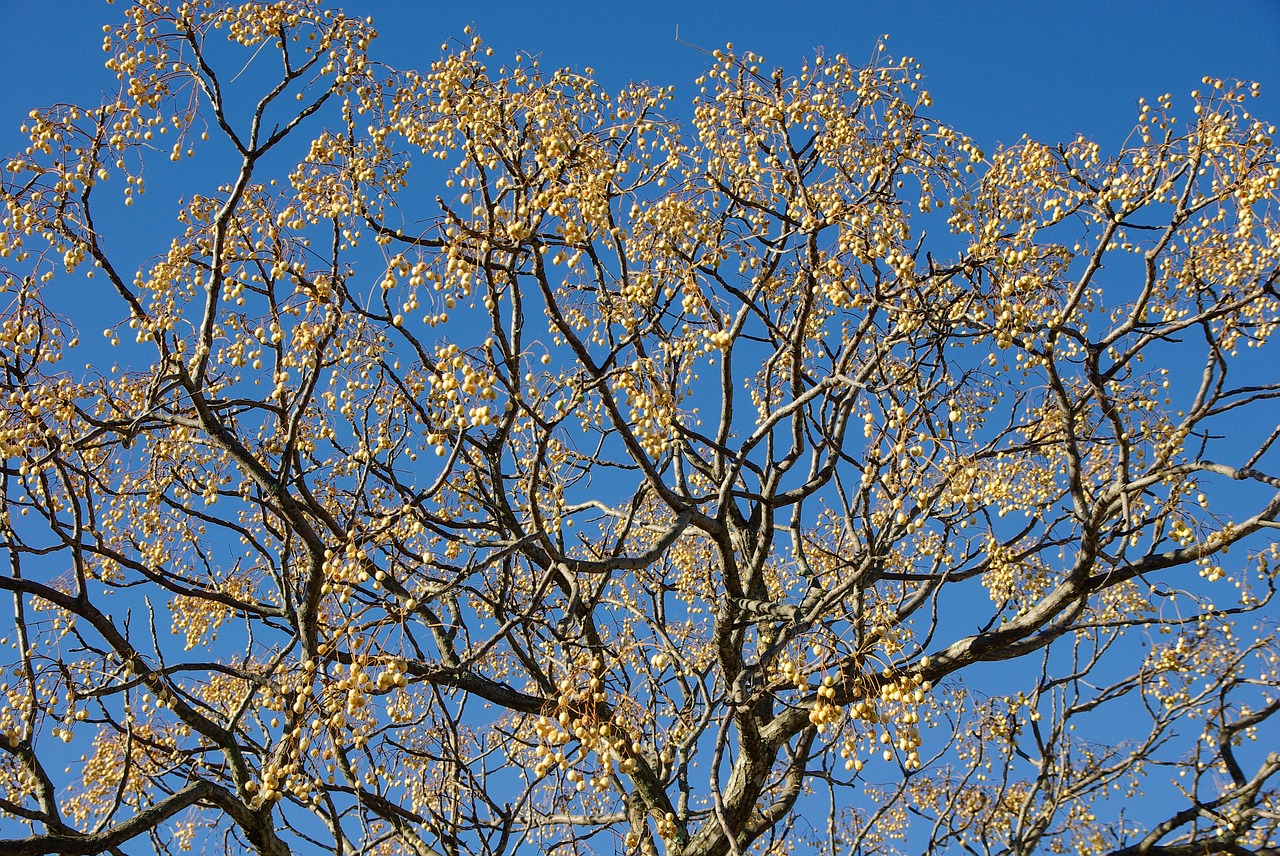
{"x": 997, "y": 69}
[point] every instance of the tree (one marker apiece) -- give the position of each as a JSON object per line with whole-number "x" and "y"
{"x": 603, "y": 484}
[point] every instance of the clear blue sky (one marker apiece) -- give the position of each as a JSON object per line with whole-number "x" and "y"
{"x": 997, "y": 69}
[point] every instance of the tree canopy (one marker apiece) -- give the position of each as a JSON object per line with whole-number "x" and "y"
{"x": 474, "y": 460}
